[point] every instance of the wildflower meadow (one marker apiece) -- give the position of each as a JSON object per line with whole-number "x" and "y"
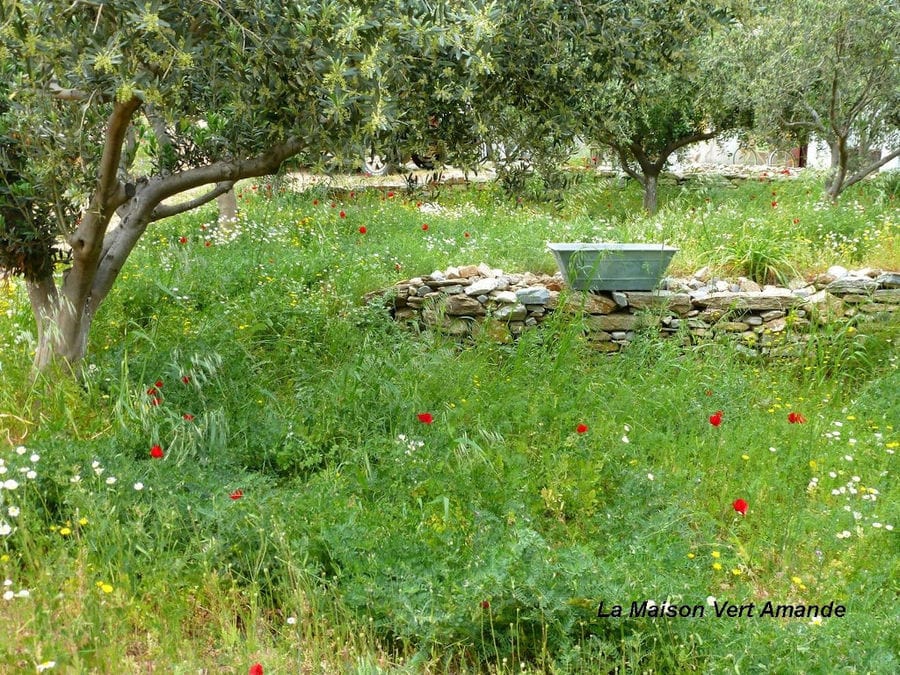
{"x": 257, "y": 471}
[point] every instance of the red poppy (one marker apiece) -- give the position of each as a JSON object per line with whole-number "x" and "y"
{"x": 397, "y": 266}
{"x": 581, "y": 428}
{"x": 159, "y": 383}
{"x": 390, "y": 195}
{"x": 485, "y": 604}
{"x": 188, "y": 417}
{"x": 342, "y": 214}
{"x": 352, "y": 195}
{"x": 207, "y": 243}
{"x": 425, "y": 418}
{"x": 740, "y": 506}
{"x": 315, "y": 202}
{"x": 796, "y": 221}
{"x": 466, "y": 235}
{"x": 156, "y": 400}
{"x": 237, "y": 494}
{"x": 424, "y": 226}
{"x": 186, "y": 379}
{"x": 151, "y": 391}
{"x": 796, "y": 418}
{"x": 716, "y": 418}
{"x": 156, "y": 452}
{"x": 182, "y": 240}
{"x": 256, "y": 669}
{"x": 418, "y": 205}
{"x": 774, "y": 204}
{"x": 362, "y": 229}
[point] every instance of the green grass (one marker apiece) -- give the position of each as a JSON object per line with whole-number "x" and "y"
{"x": 366, "y": 541}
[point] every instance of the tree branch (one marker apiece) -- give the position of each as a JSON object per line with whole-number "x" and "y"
{"x": 64, "y": 94}
{"x": 167, "y": 210}
{"x": 871, "y": 168}
{"x": 685, "y": 140}
{"x": 263, "y": 164}
{"x": 625, "y": 162}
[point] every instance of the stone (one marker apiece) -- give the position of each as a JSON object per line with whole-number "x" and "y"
{"x": 405, "y": 314}
{"x": 468, "y": 271}
{"x": 530, "y": 321}
{"x": 696, "y": 324}
{"x": 746, "y": 285}
{"x": 502, "y": 283}
{"x": 462, "y": 305}
{"x": 437, "y": 275}
{"x": 415, "y": 301}
{"x": 753, "y": 320}
{"x": 511, "y": 313}
{"x": 554, "y": 285}
{"x": 435, "y": 283}
{"x": 496, "y": 332}
{"x": 589, "y": 303}
{"x": 600, "y": 336}
{"x": 485, "y": 271}
{"x": 856, "y": 285}
{"x": 720, "y": 286}
{"x": 552, "y": 301}
{"x": 855, "y": 299}
{"x": 837, "y": 271}
{"x": 824, "y": 307}
{"x": 451, "y": 290}
{"x": 776, "y": 326}
{"x": 732, "y": 326}
{"x": 481, "y": 287}
{"x": 507, "y": 297}
{"x": 456, "y": 327}
{"x": 620, "y": 298}
{"x": 703, "y": 273}
{"x": 775, "y": 298}
{"x": 605, "y": 347}
{"x": 533, "y": 295}
{"x": 677, "y": 302}
{"x": 711, "y": 315}
{"x": 888, "y": 280}
{"x": 516, "y": 327}
{"x": 611, "y": 322}
{"x": 676, "y": 285}
{"x": 422, "y": 291}
{"x": 772, "y": 314}
{"x": 876, "y": 307}
{"x": 619, "y": 335}
{"x": 888, "y": 295}
{"x": 805, "y": 291}
{"x": 482, "y": 299}
{"x": 535, "y": 310}
{"x": 451, "y": 273}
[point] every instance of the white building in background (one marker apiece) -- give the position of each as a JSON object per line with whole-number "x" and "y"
{"x": 719, "y": 151}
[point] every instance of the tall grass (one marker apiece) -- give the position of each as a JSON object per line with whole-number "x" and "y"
{"x": 303, "y": 517}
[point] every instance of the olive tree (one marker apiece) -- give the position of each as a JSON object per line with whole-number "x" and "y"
{"x": 212, "y": 92}
{"x": 664, "y": 93}
{"x": 827, "y": 69}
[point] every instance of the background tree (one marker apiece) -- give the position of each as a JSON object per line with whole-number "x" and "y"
{"x": 828, "y": 69}
{"x": 212, "y": 93}
{"x": 664, "y": 92}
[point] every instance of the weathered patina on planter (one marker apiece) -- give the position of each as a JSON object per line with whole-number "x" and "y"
{"x": 612, "y": 266}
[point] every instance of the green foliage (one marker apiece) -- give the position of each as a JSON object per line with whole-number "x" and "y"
{"x": 490, "y": 534}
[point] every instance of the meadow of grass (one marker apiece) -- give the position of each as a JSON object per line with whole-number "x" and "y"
{"x": 298, "y": 513}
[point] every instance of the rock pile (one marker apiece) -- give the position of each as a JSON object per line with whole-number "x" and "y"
{"x": 462, "y": 301}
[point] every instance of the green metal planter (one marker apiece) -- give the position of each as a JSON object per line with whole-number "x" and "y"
{"x": 612, "y": 267}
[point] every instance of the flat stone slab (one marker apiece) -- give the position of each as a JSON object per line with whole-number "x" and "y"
{"x": 856, "y": 285}
{"x": 779, "y": 298}
{"x": 678, "y": 302}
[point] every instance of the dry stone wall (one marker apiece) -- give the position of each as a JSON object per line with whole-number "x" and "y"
{"x": 462, "y": 301}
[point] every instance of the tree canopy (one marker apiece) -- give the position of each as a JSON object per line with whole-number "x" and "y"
{"x": 212, "y": 93}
